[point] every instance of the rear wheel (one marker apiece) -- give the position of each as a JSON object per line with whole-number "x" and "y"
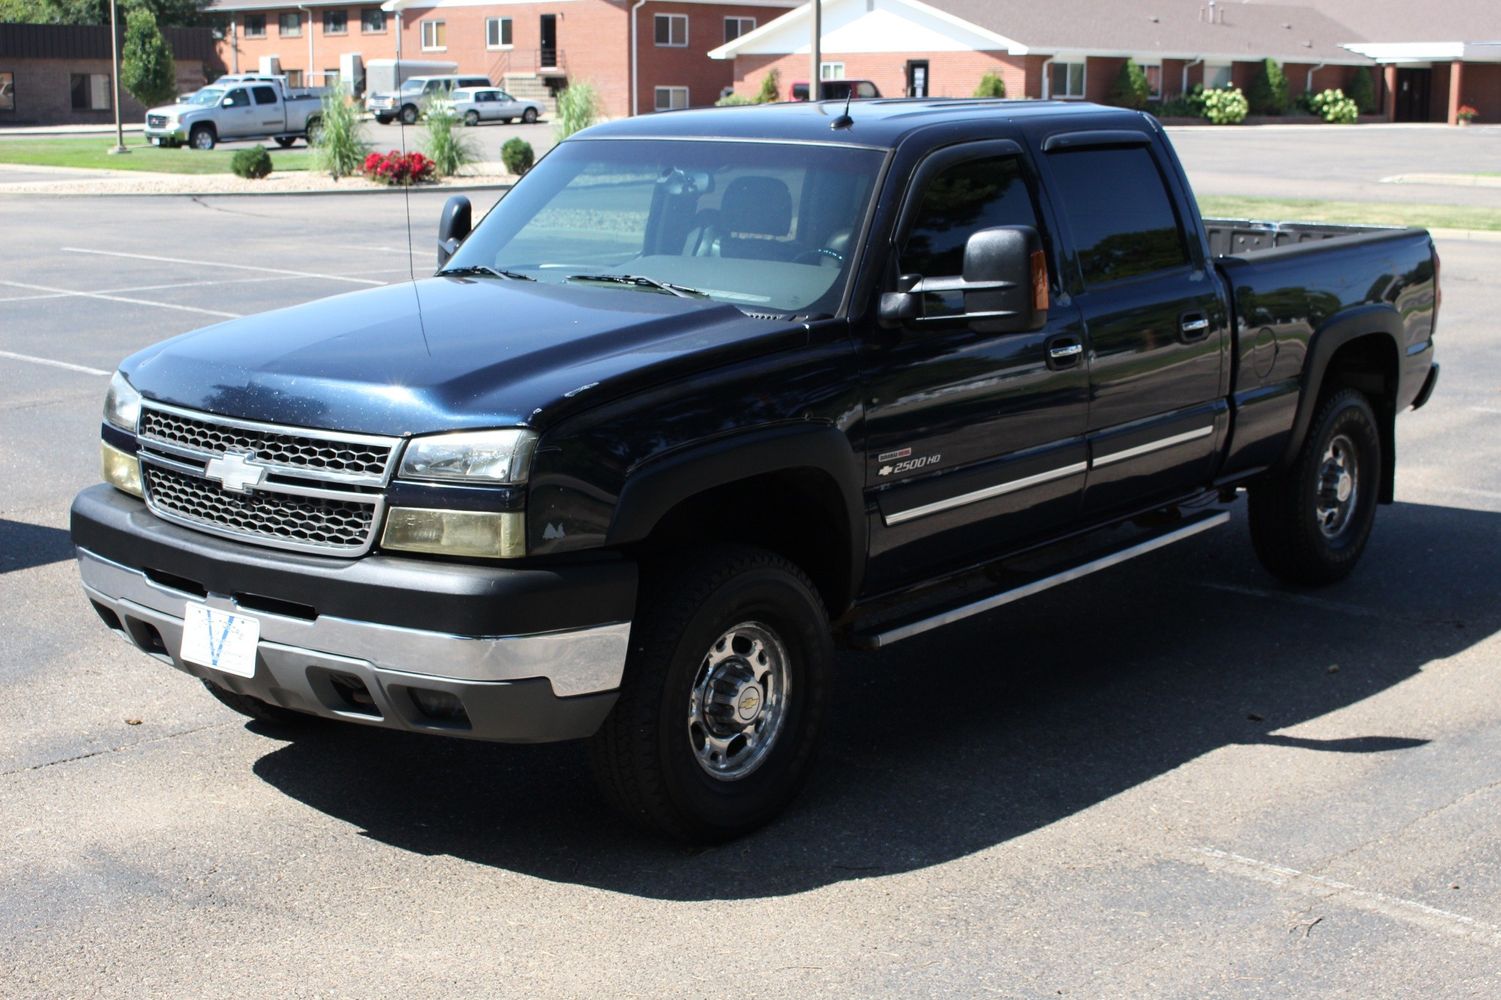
{"x": 471, "y": 118}
{"x": 723, "y": 696}
{"x": 409, "y": 114}
{"x": 261, "y": 711}
{"x": 286, "y": 141}
{"x": 1310, "y": 524}
{"x": 529, "y": 116}
{"x": 202, "y": 137}
{"x": 383, "y": 119}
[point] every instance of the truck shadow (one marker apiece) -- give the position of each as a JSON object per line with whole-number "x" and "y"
{"x": 23, "y": 546}
{"x": 962, "y": 740}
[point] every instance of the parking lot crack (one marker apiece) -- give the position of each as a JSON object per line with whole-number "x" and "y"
{"x": 109, "y": 750}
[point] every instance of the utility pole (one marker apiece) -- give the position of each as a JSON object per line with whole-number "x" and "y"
{"x": 114, "y": 56}
{"x": 813, "y": 81}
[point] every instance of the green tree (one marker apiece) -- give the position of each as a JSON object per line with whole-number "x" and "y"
{"x": 146, "y": 66}
{"x": 173, "y": 13}
{"x": 1131, "y": 89}
{"x": 1362, "y": 91}
{"x": 1268, "y": 94}
{"x": 991, "y": 85}
{"x": 771, "y": 88}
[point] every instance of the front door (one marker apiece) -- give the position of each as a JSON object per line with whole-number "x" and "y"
{"x": 917, "y": 78}
{"x": 1414, "y": 87}
{"x": 1158, "y": 329}
{"x": 974, "y": 440}
{"x": 237, "y": 116}
{"x": 548, "y": 56}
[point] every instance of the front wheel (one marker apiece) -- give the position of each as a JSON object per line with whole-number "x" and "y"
{"x": 723, "y": 696}
{"x": 529, "y": 116}
{"x": 409, "y": 115}
{"x": 471, "y": 118}
{"x": 202, "y": 137}
{"x": 1310, "y": 524}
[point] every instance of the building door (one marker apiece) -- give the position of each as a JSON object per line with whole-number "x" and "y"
{"x": 917, "y": 78}
{"x": 548, "y": 56}
{"x": 1413, "y": 91}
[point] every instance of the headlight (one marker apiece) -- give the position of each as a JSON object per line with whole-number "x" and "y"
{"x": 120, "y": 470}
{"x": 456, "y": 532}
{"x": 122, "y": 404}
{"x": 470, "y": 456}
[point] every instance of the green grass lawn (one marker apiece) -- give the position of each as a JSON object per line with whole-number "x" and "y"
{"x": 92, "y": 152}
{"x": 1369, "y": 213}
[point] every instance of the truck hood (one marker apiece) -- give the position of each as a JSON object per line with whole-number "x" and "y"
{"x": 448, "y": 353}
{"x": 175, "y": 109}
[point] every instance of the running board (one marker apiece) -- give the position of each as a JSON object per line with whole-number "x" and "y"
{"x": 884, "y": 636}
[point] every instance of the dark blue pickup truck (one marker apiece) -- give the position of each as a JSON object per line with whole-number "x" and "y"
{"x": 710, "y": 392}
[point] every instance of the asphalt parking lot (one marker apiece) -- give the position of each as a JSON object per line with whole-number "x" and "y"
{"x": 1173, "y": 779}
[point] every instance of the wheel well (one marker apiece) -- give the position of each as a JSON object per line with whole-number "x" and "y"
{"x": 1369, "y": 363}
{"x": 797, "y": 513}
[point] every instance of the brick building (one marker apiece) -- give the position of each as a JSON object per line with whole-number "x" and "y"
{"x": 1067, "y": 49}
{"x": 56, "y": 74}
{"x": 531, "y": 47}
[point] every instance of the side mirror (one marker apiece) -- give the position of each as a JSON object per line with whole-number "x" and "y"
{"x": 1004, "y": 286}
{"x": 453, "y": 226}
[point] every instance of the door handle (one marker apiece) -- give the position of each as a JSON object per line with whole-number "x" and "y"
{"x": 1064, "y": 353}
{"x": 1193, "y": 326}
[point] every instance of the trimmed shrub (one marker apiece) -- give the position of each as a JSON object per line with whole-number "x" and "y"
{"x": 146, "y": 66}
{"x": 1131, "y": 89}
{"x": 771, "y": 88}
{"x": 1363, "y": 91}
{"x": 1190, "y": 105}
{"x": 732, "y": 101}
{"x": 517, "y": 156}
{"x": 1226, "y": 106}
{"x": 252, "y": 164}
{"x": 338, "y": 139}
{"x": 397, "y": 169}
{"x": 991, "y": 85}
{"x": 450, "y": 148}
{"x": 1334, "y": 107}
{"x": 578, "y": 108}
{"x": 1268, "y": 94}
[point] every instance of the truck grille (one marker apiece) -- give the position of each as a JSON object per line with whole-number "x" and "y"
{"x": 156, "y": 121}
{"x": 286, "y": 487}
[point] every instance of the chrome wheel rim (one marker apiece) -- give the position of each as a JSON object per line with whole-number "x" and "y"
{"x": 1338, "y": 487}
{"x": 738, "y": 704}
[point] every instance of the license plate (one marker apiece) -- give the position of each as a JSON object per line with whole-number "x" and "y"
{"x": 218, "y": 639}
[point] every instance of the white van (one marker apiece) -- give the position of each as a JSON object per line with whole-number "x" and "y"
{"x": 407, "y": 103}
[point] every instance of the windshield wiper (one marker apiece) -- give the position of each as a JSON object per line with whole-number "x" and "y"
{"x": 641, "y": 281}
{"x": 469, "y": 270}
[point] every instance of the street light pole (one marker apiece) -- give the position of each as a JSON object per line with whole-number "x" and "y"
{"x": 813, "y": 81}
{"x": 114, "y": 57}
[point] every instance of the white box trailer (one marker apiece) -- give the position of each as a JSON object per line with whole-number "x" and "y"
{"x": 386, "y": 75}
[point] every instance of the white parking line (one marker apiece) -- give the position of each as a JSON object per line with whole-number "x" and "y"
{"x": 214, "y": 263}
{"x": 1407, "y": 910}
{"x": 122, "y": 298}
{"x": 53, "y": 364}
{"x": 32, "y": 298}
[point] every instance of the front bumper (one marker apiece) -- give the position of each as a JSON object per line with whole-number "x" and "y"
{"x": 318, "y": 653}
{"x": 156, "y": 135}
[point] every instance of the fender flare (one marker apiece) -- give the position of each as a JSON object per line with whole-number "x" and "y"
{"x": 657, "y": 486}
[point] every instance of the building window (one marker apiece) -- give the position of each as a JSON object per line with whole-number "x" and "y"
{"x": 1066, "y": 79}
{"x": 7, "y": 91}
{"x": 831, "y": 71}
{"x": 331, "y": 78}
{"x": 435, "y": 35}
{"x": 255, "y": 25}
{"x": 372, "y": 21}
{"x": 91, "y": 92}
{"x": 734, "y": 27}
{"x": 294, "y": 78}
{"x": 672, "y": 30}
{"x": 1154, "y": 80}
{"x": 669, "y": 98}
{"x": 336, "y": 22}
{"x": 289, "y": 24}
{"x": 1216, "y": 77}
{"x": 497, "y": 32}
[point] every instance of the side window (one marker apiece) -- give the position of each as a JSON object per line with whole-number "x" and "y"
{"x": 1119, "y": 212}
{"x": 264, "y": 95}
{"x": 237, "y": 98}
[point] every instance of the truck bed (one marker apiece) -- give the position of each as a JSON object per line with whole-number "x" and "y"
{"x": 1231, "y": 237}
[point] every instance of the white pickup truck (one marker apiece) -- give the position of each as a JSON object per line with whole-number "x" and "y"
{"x": 244, "y": 106}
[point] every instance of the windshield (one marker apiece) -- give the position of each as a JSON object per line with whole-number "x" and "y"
{"x": 208, "y": 95}
{"x": 762, "y": 225}
{"x": 412, "y": 87}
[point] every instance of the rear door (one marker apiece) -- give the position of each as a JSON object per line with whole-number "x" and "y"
{"x": 1158, "y": 330}
{"x": 270, "y": 113}
{"x": 974, "y": 440}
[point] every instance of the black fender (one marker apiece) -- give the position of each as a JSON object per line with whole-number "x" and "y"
{"x": 657, "y": 486}
{"x": 1347, "y": 326}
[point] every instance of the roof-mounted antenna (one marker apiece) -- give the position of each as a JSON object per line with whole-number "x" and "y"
{"x": 844, "y": 120}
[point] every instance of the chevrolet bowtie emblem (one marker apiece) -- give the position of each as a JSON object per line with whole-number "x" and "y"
{"x": 235, "y": 471}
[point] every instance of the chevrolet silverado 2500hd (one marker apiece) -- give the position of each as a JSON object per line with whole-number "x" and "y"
{"x": 711, "y": 391}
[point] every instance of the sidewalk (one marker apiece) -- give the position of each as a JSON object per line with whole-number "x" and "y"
{"x": 64, "y": 130}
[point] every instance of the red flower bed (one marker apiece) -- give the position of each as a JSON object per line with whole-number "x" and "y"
{"x": 396, "y": 168}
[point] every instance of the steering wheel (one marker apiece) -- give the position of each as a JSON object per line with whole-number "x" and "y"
{"x": 819, "y": 256}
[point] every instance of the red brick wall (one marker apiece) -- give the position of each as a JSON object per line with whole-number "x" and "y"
{"x": 1482, "y": 90}
{"x": 1099, "y": 78}
{"x": 292, "y": 50}
{"x": 665, "y": 66}
{"x": 44, "y": 92}
{"x": 950, "y": 74}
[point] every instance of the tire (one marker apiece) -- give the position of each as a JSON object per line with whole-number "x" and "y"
{"x": 286, "y": 141}
{"x": 471, "y": 118}
{"x": 261, "y": 711}
{"x": 741, "y": 623}
{"x": 314, "y": 126}
{"x": 383, "y": 119}
{"x": 408, "y": 114}
{"x": 505, "y": 121}
{"x": 529, "y": 116}
{"x": 202, "y": 137}
{"x": 1310, "y": 524}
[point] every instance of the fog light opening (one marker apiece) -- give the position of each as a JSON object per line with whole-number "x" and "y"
{"x": 439, "y": 706}
{"x": 353, "y": 693}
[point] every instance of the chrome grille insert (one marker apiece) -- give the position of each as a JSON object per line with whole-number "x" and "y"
{"x": 292, "y": 487}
